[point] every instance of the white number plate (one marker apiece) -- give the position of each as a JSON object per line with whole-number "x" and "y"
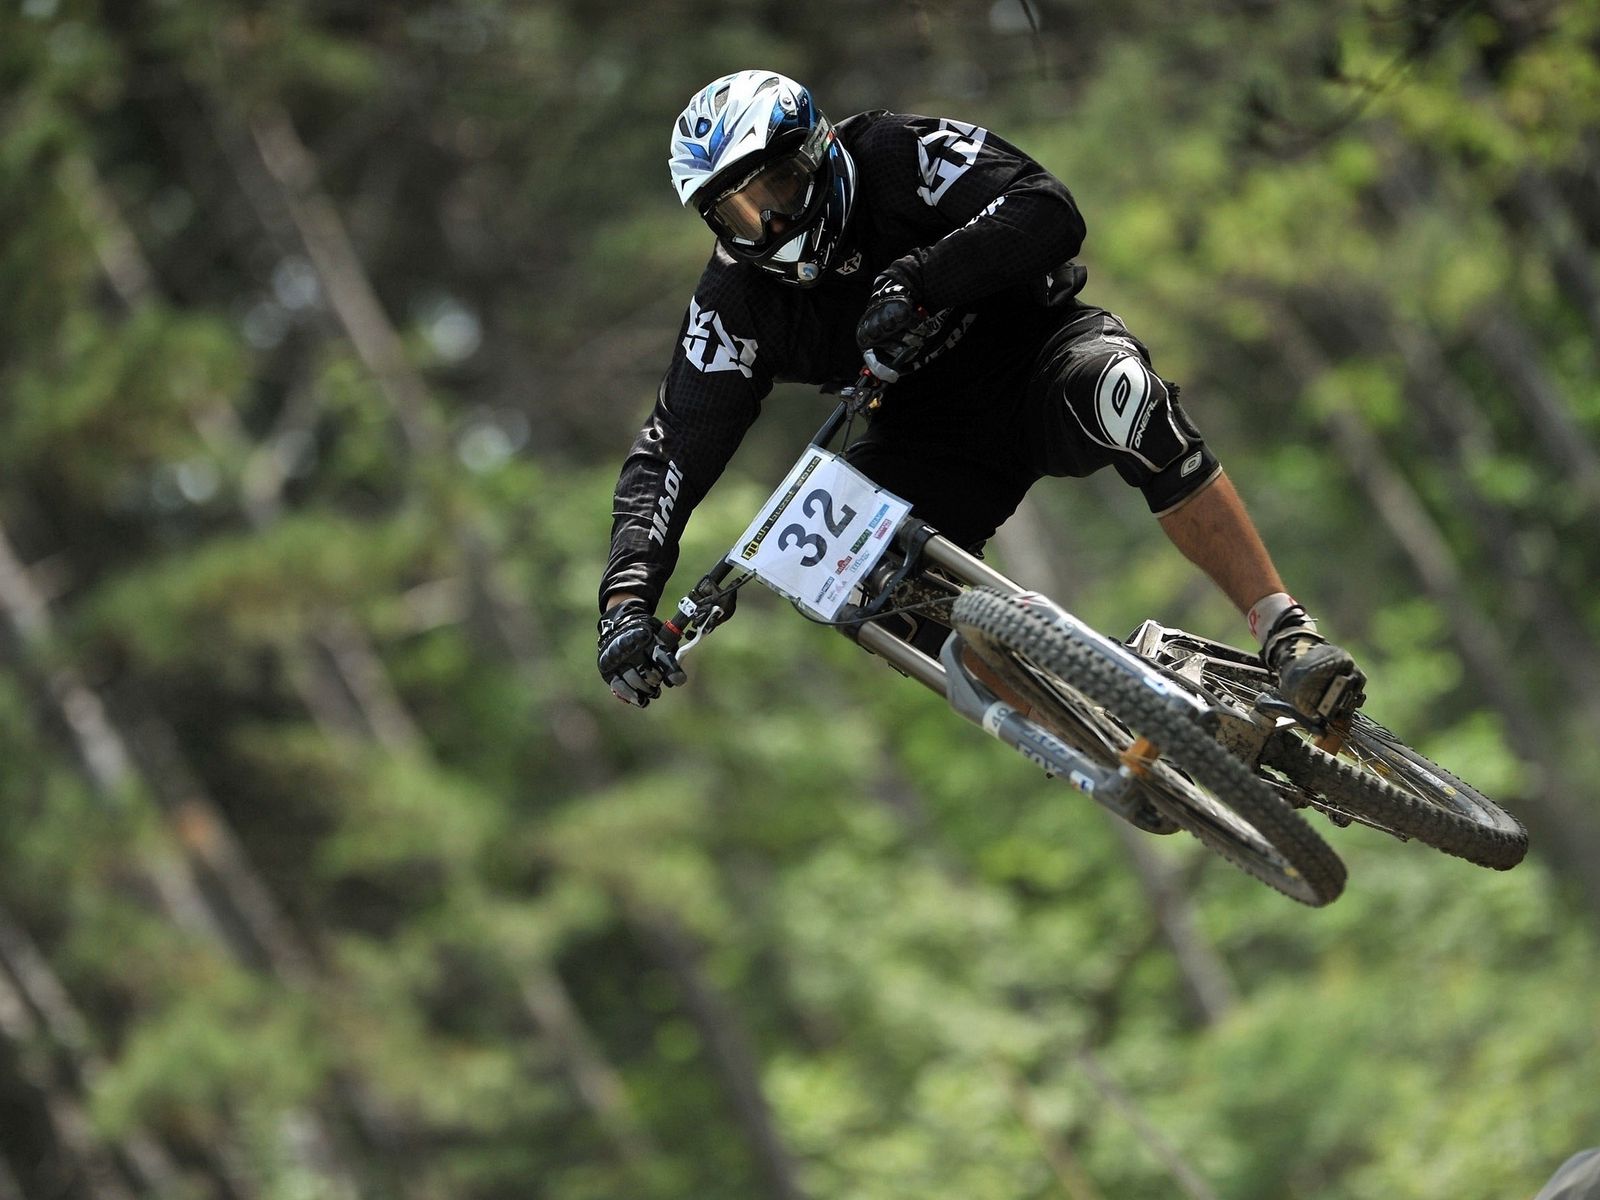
{"x": 822, "y": 530}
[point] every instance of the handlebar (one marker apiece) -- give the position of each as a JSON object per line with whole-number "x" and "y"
{"x": 863, "y": 394}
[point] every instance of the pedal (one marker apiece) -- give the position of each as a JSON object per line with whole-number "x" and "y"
{"x": 1328, "y": 732}
{"x": 1333, "y": 704}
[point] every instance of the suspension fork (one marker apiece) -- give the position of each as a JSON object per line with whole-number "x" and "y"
{"x": 922, "y": 546}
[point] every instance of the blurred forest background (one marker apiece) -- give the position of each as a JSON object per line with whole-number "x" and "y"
{"x": 328, "y": 867}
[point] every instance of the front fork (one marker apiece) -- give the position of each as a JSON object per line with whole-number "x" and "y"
{"x": 1118, "y": 789}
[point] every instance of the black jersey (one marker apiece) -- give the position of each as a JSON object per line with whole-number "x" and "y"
{"x": 978, "y": 230}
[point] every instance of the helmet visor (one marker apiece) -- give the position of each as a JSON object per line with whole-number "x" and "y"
{"x": 780, "y": 189}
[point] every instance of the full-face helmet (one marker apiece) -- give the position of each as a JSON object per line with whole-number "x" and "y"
{"x": 763, "y": 167}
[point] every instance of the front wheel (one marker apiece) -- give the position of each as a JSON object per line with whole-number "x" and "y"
{"x": 1110, "y": 706}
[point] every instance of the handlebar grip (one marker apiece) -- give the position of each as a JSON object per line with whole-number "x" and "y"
{"x": 672, "y": 629}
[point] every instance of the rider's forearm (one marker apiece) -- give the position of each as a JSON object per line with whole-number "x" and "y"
{"x": 1026, "y": 233}
{"x": 1214, "y": 532}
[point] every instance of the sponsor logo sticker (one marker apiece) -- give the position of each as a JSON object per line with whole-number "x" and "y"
{"x": 1122, "y": 399}
{"x": 754, "y": 544}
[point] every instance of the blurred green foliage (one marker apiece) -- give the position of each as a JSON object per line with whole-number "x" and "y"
{"x": 329, "y": 869}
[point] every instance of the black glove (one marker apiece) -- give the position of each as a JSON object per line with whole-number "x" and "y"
{"x": 892, "y": 329}
{"x": 632, "y": 661}
{"x": 1320, "y": 680}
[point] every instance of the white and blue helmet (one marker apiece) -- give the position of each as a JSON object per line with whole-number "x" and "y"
{"x": 762, "y": 165}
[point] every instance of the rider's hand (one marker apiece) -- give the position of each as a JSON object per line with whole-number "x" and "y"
{"x": 632, "y": 661}
{"x": 892, "y": 328}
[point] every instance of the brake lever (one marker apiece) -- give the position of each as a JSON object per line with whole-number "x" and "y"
{"x": 713, "y": 618}
{"x": 865, "y": 393}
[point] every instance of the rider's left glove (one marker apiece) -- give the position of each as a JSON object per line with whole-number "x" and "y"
{"x": 633, "y": 662}
{"x": 892, "y": 329}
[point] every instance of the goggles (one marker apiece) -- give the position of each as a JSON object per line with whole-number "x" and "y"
{"x": 780, "y": 188}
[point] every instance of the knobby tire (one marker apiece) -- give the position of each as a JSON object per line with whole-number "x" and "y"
{"x": 1379, "y": 780}
{"x": 1017, "y": 637}
{"x": 1435, "y": 807}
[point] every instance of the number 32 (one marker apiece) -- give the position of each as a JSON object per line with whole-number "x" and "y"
{"x": 797, "y": 535}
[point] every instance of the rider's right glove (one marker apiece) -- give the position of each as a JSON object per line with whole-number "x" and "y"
{"x": 892, "y": 328}
{"x": 1318, "y": 678}
{"x": 632, "y": 661}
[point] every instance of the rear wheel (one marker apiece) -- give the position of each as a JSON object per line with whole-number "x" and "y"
{"x": 1385, "y": 783}
{"x": 1112, "y": 711}
{"x": 1380, "y": 781}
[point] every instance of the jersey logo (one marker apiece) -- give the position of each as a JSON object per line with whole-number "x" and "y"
{"x": 1123, "y": 401}
{"x": 710, "y": 347}
{"x": 945, "y": 155}
{"x": 661, "y": 518}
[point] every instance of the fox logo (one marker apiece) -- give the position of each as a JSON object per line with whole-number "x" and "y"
{"x": 670, "y": 486}
{"x": 709, "y": 346}
{"x": 944, "y": 156}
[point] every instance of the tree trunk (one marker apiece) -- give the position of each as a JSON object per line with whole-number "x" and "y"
{"x": 97, "y": 1166}
{"x": 728, "y": 1048}
{"x": 1184, "y": 1173}
{"x": 1513, "y": 353}
{"x": 1457, "y": 428}
{"x": 1208, "y": 984}
{"x": 367, "y": 328}
{"x": 1568, "y": 647}
{"x": 245, "y": 923}
{"x": 339, "y": 676}
{"x": 1071, "y": 1176}
{"x": 1536, "y": 211}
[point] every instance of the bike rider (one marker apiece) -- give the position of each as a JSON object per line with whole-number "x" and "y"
{"x": 941, "y": 255}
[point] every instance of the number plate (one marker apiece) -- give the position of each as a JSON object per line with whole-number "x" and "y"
{"x": 821, "y": 531}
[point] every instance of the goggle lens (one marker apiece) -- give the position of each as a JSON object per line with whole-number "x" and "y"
{"x": 780, "y": 189}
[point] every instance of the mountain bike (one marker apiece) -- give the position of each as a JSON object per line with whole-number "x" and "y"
{"x": 1170, "y": 731}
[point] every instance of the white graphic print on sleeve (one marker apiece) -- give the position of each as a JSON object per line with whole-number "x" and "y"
{"x": 710, "y": 347}
{"x": 988, "y": 210}
{"x": 945, "y": 155}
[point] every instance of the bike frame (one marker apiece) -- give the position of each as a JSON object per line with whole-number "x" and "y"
{"x": 922, "y": 547}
